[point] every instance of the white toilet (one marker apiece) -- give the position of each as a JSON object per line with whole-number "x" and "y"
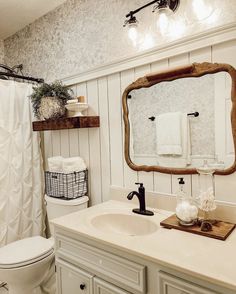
{"x": 25, "y": 264}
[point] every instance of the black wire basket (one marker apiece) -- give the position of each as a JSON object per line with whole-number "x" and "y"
{"x": 66, "y": 186}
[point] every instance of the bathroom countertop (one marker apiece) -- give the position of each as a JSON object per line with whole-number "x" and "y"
{"x": 209, "y": 259}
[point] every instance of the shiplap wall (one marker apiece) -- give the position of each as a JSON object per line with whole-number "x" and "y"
{"x": 102, "y": 148}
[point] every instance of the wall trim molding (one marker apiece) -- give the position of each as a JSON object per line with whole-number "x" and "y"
{"x": 210, "y": 37}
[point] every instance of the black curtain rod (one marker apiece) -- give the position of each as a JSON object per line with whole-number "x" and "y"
{"x": 16, "y": 76}
{"x": 14, "y": 73}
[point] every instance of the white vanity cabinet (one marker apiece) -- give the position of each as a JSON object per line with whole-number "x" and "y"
{"x": 169, "y": 284}
{"x": 87, "y": 266}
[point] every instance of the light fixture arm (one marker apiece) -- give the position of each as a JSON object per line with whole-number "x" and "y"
{"x": 172, "y": 4}
{"x": 131, "y": 13}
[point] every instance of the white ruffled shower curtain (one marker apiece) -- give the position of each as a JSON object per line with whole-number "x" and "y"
{"x": 21, "y": 181}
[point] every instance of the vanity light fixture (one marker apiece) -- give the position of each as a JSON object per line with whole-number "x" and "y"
{"x": 164, "y": 8}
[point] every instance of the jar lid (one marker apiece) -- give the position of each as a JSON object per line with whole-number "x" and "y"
{"x": 206, "y": 169}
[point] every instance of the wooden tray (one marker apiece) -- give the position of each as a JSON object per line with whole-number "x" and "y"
{"x": 221, "y": 230}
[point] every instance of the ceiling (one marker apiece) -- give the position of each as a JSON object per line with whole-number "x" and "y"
{"x": 16, "y": 14}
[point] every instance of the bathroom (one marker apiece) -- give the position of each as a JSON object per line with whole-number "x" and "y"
{"x": 98, "y": 51}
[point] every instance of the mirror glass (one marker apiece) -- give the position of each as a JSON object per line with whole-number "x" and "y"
{"x": 166, "y": 131}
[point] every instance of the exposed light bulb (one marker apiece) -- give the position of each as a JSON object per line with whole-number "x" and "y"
{"x": 163, "y": 20}
{"x": 133, "y": 33}
{"x": 201, "y": 9}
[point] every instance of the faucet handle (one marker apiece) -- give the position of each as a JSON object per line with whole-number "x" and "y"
{"x": 141, "y": 184}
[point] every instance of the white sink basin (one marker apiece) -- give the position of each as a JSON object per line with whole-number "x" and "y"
{"x": 124, "y": 224}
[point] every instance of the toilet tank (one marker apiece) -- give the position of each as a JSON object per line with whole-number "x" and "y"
{"x": 58, "y": 207}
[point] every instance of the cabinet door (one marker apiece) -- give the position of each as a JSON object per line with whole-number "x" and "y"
{"x": 173, "y": 290}
{"x": 169, "y": 284}
{"x": 102, "y": 287}
{"x": 71, "y": 280}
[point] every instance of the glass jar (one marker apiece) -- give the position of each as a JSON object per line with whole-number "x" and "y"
{"x": 186, "y": 209}
{"x": 206, "y": 197}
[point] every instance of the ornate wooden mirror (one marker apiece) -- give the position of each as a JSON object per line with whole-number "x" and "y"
{"x": 176, "y": 119}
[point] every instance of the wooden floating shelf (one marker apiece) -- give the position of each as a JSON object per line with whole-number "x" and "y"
{"x": 67, "y": 123}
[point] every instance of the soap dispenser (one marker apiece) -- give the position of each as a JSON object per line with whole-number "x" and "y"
{"x": 186, "y": 210}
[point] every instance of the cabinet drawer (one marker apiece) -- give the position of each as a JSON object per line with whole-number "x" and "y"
{"x": 71, "y": 280}
{"x": 127, "y": 274}
{"x": 169, "y": 284}
{"x": 102, "y": 287}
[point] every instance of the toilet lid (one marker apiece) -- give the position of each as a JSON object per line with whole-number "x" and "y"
{"x": 25, "y": 251}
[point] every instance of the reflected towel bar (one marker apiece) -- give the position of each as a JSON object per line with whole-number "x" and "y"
{"x": 195, "y": 114}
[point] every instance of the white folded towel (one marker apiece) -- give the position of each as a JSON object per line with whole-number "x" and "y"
{"x": 169, "y": 134}
{"x": 55, "y": 164}
{"x": 73, "y": 164}
{"x": 175, "y": 160}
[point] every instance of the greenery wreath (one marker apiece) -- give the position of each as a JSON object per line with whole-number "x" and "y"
{"x": 49, "y": 100}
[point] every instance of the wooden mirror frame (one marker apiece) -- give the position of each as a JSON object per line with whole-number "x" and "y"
{"x": 193, "y": 70}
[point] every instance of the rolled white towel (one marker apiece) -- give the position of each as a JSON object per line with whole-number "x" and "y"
{"x": 73, "y": 164}
{"x": 55, "y": 164}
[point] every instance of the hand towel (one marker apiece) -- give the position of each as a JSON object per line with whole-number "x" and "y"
{"x": 73, "y": 164}
{"x": 168, "y": 134}
{"x": 179, "y": 161}
{"x": 55, "y": 164}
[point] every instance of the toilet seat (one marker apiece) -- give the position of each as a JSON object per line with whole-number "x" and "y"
{"x": 24, "y": 252}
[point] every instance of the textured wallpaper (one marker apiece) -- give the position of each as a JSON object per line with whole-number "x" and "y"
{"x": 1, "y": 52}
{"x": 82, "y": 34}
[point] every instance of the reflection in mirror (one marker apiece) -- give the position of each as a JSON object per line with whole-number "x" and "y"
{"x": 164, "y": 132}
{"x": 177, "y": 123}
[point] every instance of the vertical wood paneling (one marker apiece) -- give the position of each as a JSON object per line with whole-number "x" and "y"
{"x": 145, "y": 177}
{"x": 84, "y": 138}
{"x": 73, "y": 143}
{"x": 74, "y": 136}
{"x": 64, "y": 137}
{"x": 179, "y": 60}
{"x": 225, "y": 53}
{"x": 116, "y": 148}
{"x": 162, "y": 182}
{"x": 47, "y": 147}
{"x": 130, "y": 176}
{"x": 83, "y": 133}
{"x": 201, "y": 55}
{"x": 104, "y": 138}
{"x": 94, "y": 145}
{"x": 56, "y": 143}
